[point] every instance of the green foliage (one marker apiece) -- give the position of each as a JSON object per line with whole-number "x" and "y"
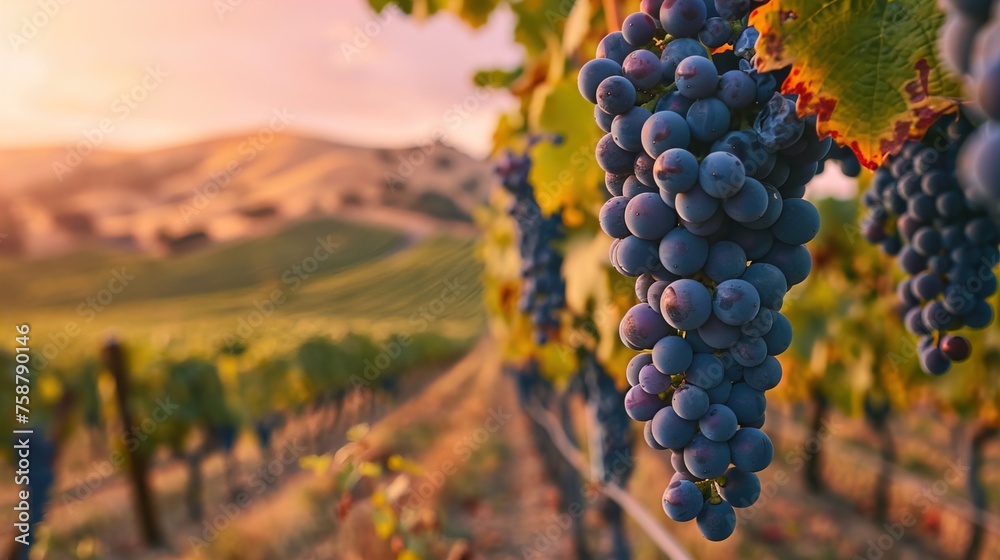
{"x": 567, "y": 175}
{"x": 322, "y": 364}
{"x": 473, "y": 12}
{"x": 195, "y": 387}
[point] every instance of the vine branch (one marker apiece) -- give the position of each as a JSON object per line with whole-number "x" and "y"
{"x": 663, "y": 540}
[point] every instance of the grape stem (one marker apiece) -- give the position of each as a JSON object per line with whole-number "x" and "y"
{"x": 663, "y": 540}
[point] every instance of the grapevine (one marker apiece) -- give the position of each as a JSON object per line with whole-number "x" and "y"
{"x": 543, "y": 287}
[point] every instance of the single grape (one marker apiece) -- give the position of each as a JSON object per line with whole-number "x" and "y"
{"x": 652, "y": 9}
{"x": 778, "y": 125}
{"x": 652, "y": 381}
{"x": 717, "y": 521}
{"x": 616, "y": 95}
{"x": 638, "y": 29}
{"x": 614, "y": 47}
{"x": 675, "y": 103}
{"x": 741, "y": 488}
{"x": 720, "y": 393}
{"x": 706, "y": 371}
{"x": 721, "y": 174}
{"x": 956, "y": 348}
{"x": 696, "y": 205}
{"x": 612, "y": 158}
{"x": 690, "y": 402}
{"x": 634, "y": 187}
{"x": 647, "y": 217}
{"x": 626, "y": 129}
{"x": 726, "y": 261}
{"x": 664, "y": 130}
{"x": 612, "y": 217}
{"x": 683, "y": 501}
{"x": 746, "y": 402}
{"x": 696, "y": 77}
{"x": 732, "y": 9}
{"x": 640, "y": 405}
{"x": 683, "y": 18}
{"x": 676, "y": 170}
{"x": 656, "y": 290}
{"x": 798, "y": 223}
{"x": 737, "y": 90}
{"x": 779, "y": 338}
{"x": 764, "y": 377}
{"x": 794, "y": 261}
{"x": 934, "y": 361}
{"x": 643, "y": 327}
{"x": 672, "y": 355}
{"x": 636, "y": 256}
{"x": 751, "y": 449}
{"x": 736, "y": 302}
{"x": 750, "y": 204}
{"x": 769, "y": 282}
{"x": 716, "y": 32}
{"x": 643, "y": 69}
{"x": 717, "y": 334}
{"x": 756, "y": 243}
{"x": 749, "y": 351}
{"x": 683, "y": 253}
{"x": 706, "y": 458}
{"x": 745, "y": 44}
{"x": 670, "y": 430}
{"x": 708, "y": 119}
{"x": 719, "y": 423}
{"x": 614, "y": 183}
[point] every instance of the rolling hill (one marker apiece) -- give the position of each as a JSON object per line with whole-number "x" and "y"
{"x": 182, "y": 198}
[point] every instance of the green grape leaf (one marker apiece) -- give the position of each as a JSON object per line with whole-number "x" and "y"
{"x": 867, "y": 68}
{"x": 566, "y": 175}
{"x": 540, "y": 22}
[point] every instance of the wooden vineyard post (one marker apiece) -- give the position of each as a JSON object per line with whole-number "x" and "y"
{"x": 114, "y": 360}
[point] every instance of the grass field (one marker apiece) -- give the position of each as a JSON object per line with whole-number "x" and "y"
{"x": 272, "y": 288}
{"x": 69, "y": 279}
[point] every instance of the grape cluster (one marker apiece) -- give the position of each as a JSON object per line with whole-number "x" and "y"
{"x": 543, "y": 291}
{"x": 944, "y": 243}
{"x": 970, "y": 46}
{"x": 605, "y": 398}
{"x": 706, "y": 164}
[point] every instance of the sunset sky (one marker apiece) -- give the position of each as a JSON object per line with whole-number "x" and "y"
{"x": 163, "y": 73}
